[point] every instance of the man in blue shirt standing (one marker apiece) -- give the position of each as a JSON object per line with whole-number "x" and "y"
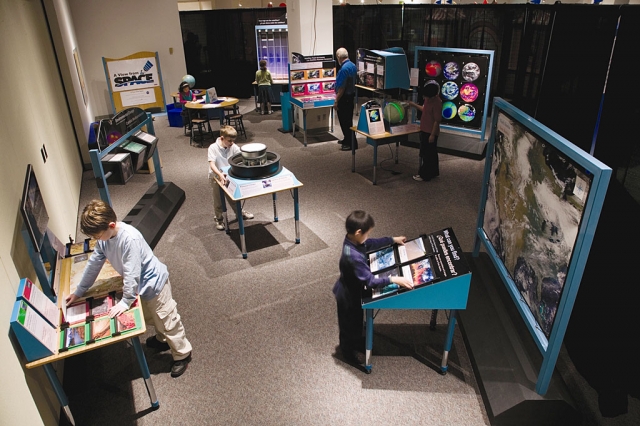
{"x": 345, "y": 92}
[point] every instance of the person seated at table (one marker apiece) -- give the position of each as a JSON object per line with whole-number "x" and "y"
{"x": 355, "y": 275}
{"x": 186, "y": 95}
{"x": 219, "y": 154}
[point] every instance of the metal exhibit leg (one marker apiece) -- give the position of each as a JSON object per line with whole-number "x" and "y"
{"x": 353, "y": 153}
{"x": 397, "y": 150}
{"x": 304, "y": 124}
{"x": 243, "y": 245}
{"x": 368, "y": 340}
{"x": 224, "y": 211}
{"x": 57, "y": 388}
{"x": 296, "y": 214}
{"x": 275, "y": 207}
{"x": 448, "y": 342}
{"x": 434, "y": 316}
{"x": 145, "y": 371}
{"x": 375, "y": 161}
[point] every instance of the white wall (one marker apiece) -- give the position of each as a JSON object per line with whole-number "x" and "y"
{"x": 119, "y": 28}
{"x": 33, "y": 114}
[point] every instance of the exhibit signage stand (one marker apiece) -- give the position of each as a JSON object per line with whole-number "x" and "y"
{"x": 538, "y": 245}
{"x": 440, "y": 276}
{"x": 312, "y": 84}
{"x": 128, "y": 125}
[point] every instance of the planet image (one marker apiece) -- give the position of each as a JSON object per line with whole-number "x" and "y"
{"x": 433, "y": 68}
{"x": 394, "y": 112}
{"x": 449, "y": 110}
{"x": 469, "y": 92}
{"x": 470, "y": 71}
{"x": 451, "y": 70}
{"x": 449, "y": 90}
{"x": 466, "y": 112}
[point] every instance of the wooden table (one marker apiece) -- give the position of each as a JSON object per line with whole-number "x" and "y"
{"x": 239, "y": 190}
{"x": 226, "y": 102}
{"x": 376, "y": 140}
{"x": 65, "y": 275}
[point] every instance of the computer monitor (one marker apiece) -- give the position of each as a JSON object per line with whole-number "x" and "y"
{"x": 211, "y": 96}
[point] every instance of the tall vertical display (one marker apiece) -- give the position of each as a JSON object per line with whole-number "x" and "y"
{"x": 539, "y": 208}
{"x": 272, "y": 45}
{"x": 464, "y": 78}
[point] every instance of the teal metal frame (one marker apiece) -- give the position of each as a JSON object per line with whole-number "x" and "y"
{"x": 550, "y": 347}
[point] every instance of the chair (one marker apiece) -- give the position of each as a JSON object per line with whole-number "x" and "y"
{"x": 200, "y": 128}
{"x": 234, "y": 118}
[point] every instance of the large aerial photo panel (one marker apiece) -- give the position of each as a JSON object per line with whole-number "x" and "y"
{"x": 535, "y": 203}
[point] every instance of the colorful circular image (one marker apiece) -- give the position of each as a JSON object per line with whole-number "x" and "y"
{"x": 470, "y": 71}
{"x": 451, "y": 70}
{"x": 466, "y": 112}
{"x": 469, "y": 92}
{"x": 433, "y": 68}
{"x": 449, "y": 90}
{"x": 449, "y": 110}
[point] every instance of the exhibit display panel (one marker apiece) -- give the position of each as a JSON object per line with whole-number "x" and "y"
{"x": 538, "y": 212}
{"x": 379, "y": 69}
{"x": 272, "y": 45}
{"x": 464, "y": 78}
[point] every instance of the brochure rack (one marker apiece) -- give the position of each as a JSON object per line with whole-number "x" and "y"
{"x": 46, "y": 335}
{"x": 312, "y": 85}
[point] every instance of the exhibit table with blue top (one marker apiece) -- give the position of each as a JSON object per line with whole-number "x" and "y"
{"x": 239, "y": 190}
{"x": 307, "y": 103}
{"x": 447, "y": 288}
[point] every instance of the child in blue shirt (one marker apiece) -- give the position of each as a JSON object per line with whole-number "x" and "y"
{"x": 142, "y": 274}
{"x": 355, "y": 275}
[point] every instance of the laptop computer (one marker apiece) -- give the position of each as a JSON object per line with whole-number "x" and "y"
{"x": 212, "y": 96}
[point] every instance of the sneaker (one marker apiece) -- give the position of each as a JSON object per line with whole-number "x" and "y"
{"x": 418, "y": 178}
{"x": 247, "y": 215}
{"x": 180, "y": 366}
{"x": 157, "y": 345}
{"x": 270, "y": 112}
{"x": 219, "y": 224}
{"x": 347, "y": 147}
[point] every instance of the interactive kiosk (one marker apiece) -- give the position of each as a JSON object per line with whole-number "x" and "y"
{"x": 440, "y": 276}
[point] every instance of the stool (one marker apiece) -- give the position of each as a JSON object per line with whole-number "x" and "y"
{"x": 235, "y": 120}
{"x": 198, "y": 131}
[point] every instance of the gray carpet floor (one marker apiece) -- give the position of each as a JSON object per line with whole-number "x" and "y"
{"x": 264, "y": 329}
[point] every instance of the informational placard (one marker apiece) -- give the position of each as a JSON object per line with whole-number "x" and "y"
{"x": 136, "y": 73}
{"x": 135, "y": 81}
{"x": 31, "y": 321}
{"x": 39, "y": 301}
{"x": 138, "y": 97}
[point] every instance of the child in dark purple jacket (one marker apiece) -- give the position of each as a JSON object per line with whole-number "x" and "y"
{"x": 355, "y": 275}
